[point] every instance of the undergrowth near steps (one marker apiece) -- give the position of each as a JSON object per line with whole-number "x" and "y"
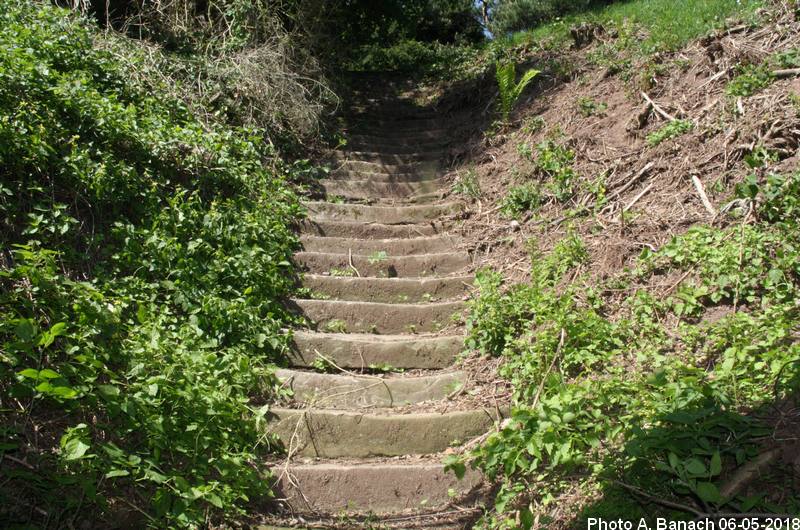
{"x": 144, "y": 256}
{"x": 659, "y": 399}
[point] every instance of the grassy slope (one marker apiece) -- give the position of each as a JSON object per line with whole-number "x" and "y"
{"x": 664, "y": 375}
{"x": 145, "y": 254}
{"x": 669, "y": 25}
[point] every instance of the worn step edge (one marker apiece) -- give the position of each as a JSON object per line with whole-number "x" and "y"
{"x": 360, "y": 230}
{"x": 382, "y": 488}
{"x": 397, "y": 144}
{"x": 431, "y": 168}
{"x": 400, "y": 178}
{"x": 338, "y": 391}
{"x": 378, "y": 155}
{"x": 388, "y": 290}
{"x": 377, "y": 317}
{"x": 415, "y": 214}
{"x": 358, "y": 351}
{"x": 391, "y": 246}
{"x": 346, "y": 434}
{"x": 369, "y": 189}
{"x": 417, "y": 265}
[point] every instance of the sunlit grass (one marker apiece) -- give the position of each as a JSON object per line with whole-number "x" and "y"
{"x": 669, "y": 24}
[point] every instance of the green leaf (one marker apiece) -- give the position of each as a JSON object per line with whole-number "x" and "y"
{"x": 673, "y": 460}
{"x": 453, "y": 463}
{"x": 696, "y": 467}
{"x": 708, "y": 492}
{"x": 156, "y": 477}
{"x": 117, "y": 473}
{"x": 30, "y": 373}
{"x": 73, "y": 448}
{"x": 526, "y": 518}
{"x": 716, "y": 464}
{"x": 214, "y": 499}
{"x": 108, "y": 391}
{"x": 48, "y": 374}
{"x": 25, "y": 329}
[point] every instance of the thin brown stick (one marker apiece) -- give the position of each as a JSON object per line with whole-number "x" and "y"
{"x": 703, "y": 197}
{"x": 658, "y": 109}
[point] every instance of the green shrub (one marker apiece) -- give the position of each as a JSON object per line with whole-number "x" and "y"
{"x": 430, "y": 59}
{"x": 555, "y": 161}
{"x": 140, "y": 294}
{"x": 520, "y": 200}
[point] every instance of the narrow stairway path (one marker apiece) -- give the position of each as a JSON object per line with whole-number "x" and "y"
{"x": 386, "y": 288}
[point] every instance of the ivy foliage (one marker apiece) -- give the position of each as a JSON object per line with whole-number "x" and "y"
{"x": 668, "y": 411}
{"x": 144, "y": 257}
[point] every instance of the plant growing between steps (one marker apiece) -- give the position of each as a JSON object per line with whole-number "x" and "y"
{"x": 510, "y": 89}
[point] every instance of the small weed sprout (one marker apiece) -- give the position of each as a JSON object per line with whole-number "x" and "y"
{"x": 377, "y": 257}
{"x": 336, "y": 326}
{"x": 342, "y": 273}
{"x": 749, "y": 80}
{"x": 521, "y": 199}
{"x": 533, "y": 125}
{"x": 671, "y": 130}
{"x": 467, "y": 185}
{"x": 589, "y": 107}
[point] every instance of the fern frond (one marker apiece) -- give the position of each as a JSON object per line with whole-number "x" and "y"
{"x": 524, "y": 82}
{"x": 506, "y": 74}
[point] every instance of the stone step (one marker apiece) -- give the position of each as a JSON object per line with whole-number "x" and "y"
{"x": 396, "y": 143}
{"x": 374, "y": 317}
{"x": 392, "y": 111}
{"x": 359, "y": 230}
{"x": 392, "y": 247}
{"x": 405, "y": 134}
{"x": 339, "y": 391}
{"x": 389, "y": 290}
{"x": 379, "y": 488}
{"x": 390, "y": 215}
{"x": 422, "y": 168}
{"x": 359, "y": 351}
{"x": 345, "y": 434}
{"x": 368, "y": 189}
{"x": 442, "y": 123}
{"x": 419, "y": 265}
{"x": 387, "y": 158}
{"x": 349, "y": 174}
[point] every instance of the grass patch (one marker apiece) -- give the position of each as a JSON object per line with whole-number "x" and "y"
{"x": 669, "y": 25}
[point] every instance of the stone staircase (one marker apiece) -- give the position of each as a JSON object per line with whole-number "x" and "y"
{"x": 388, "y": 285}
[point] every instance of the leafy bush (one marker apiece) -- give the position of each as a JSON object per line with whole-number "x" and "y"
{"x": 431, "y": 59}
{"x": 511, "y": 89}
{"x": 147, "y": 254}
{"x": 671, "y": 130}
